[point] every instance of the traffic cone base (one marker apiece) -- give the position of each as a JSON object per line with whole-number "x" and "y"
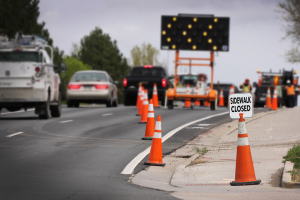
{"x": 244, "y": 171}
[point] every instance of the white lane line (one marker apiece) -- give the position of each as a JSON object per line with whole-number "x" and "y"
{"x": 16, "y": 112}
{"x": 66, "y": 121}
{"x": 205, "y": 124}
{"x": 196, "y": 128}
{"x": 14, "y": 134}
{"x": 130, "y": 167}
{"x": 107, "y": 114}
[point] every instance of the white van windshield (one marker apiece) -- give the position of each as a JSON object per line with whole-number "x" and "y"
{"x": 20, "y": 56}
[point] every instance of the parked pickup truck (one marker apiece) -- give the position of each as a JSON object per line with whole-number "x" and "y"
{"x": 28, "y": 78}
{"x": 147, "y": 75}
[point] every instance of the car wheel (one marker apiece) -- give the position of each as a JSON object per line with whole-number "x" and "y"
{"x": 70, "y": 104}
{"x": 109, "y": 103}
{"x": 115, "y": 103}
{"x": 46, "y": 113}
{"x": 56, "y": 110}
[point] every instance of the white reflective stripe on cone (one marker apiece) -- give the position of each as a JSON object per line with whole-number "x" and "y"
{"x": 145, "y": 102}
{"x": 151, "y": 115}
{"x": 242, "y": 128}
{"x": 158, "y": 125}
{"x": 150, "y": 107}
{"x": 154, "y": 92}
{"x": 157, "y": 135}
{"x": 243, "y": 141}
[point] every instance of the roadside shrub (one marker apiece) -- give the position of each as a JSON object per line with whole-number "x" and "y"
{"x": 293, "y": 155}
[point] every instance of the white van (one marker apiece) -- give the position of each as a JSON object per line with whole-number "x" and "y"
{"x": 28, "y": 78}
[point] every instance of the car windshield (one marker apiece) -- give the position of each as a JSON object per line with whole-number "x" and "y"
{"x": 138, "y": 71}
{"x": 20, "y": 56}
{"x": 89, "y": 76}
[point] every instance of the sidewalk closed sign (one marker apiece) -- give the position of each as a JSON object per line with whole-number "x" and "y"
{"x": 240, "y": 103}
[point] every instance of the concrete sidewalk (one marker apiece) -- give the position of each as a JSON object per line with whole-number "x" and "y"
{"x": 270, "y": 134}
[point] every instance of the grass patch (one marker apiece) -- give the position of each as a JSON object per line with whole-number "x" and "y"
{"x": 200, "y": 151}
{"x": 293, "y": 155}
{"x": 295, "y": 175}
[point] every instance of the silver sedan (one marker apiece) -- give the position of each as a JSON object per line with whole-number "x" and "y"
{"x": 92, "y": 86}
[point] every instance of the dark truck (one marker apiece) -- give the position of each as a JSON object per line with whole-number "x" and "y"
{"x": 225, "y": 87}
{"x": 272, "y": 80}
{"x": 147, "y": 75}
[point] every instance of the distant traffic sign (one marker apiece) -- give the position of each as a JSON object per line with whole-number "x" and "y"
{"x": 240, "y": 103}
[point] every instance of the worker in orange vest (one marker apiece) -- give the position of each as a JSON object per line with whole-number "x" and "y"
{"x": 290, "y": 90}
{"x": 246, "y": 86}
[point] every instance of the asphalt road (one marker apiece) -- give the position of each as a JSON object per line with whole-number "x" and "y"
{"x": 81, "y": 154}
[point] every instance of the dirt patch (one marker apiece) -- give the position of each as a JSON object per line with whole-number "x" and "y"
{"x": 276, "y": 178}
{"x": 195, "y": 162}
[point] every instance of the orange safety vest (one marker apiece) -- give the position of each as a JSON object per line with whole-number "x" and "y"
{"x": 290, "y": 90}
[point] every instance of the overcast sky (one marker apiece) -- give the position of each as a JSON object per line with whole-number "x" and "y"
{"x": 256, "y": 30}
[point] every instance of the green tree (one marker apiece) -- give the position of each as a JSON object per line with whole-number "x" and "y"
{"x": 101, "y": 53}
{"x": 146, "y": 54}
{"x": 290, "y": 12}
{"x": 22, "y": 15}
{"x": 74, "y": 65}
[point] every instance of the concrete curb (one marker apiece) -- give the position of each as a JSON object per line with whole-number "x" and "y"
{"x": 182, "y": 166}
{"x": 286, "y": 181}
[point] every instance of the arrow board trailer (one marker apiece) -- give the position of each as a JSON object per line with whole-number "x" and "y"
{"x": 240, "y": 103}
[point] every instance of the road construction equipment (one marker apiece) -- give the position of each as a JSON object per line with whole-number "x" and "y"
{"x": 150, "y": 126}
{"x": 155, "y": 97}
{"x": 268, "y": 100}
{"x": 155, "y": 156}
{"x": 244, "y": 172}
{"x": 274, "y": 100}
{"x": 141, "y": 102}
{"x": 221, "y": 99}
{"x": 139, "y": 95}
{"x": 187, "y": 102}
{"x": 144, "y": 109}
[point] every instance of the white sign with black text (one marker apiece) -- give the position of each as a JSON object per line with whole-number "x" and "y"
{"x": 240, "y": 103}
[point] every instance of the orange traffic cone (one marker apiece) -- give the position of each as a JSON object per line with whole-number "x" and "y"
{"x": 155, "y": 156}
{"x": 141, "y": 103}
{"x": 155, "y": 97}
{"x": 231, "y": 91}
{"x": 150, "y": 123}
{"x": 187, "y": 102}
{"x": 197, "y": 102}
{"x": 244, "y": 171}
{"x": 274, "y": 100}
{"x": 268, "y": 100}
{"x": 138, "y": 97}
{"x": 221, "y": 98}
{"x": 144, "y": 109}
